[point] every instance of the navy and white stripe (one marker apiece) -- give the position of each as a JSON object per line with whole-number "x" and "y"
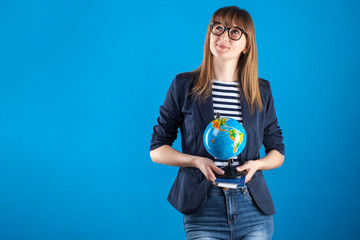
{"x": 226, "y": 101}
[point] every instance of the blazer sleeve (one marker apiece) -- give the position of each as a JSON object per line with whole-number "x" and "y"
{"x": 168, "y": 122}
{"x": 273, "y": 139}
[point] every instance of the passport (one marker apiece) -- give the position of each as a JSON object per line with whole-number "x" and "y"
{"x": 231, "y": 183}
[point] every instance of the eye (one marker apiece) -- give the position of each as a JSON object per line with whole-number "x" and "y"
{"x": 235, "y": 32}
{"x": 219, "y": 28}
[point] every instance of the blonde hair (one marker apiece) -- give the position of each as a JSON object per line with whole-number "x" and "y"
{"x": 247, "y": 68}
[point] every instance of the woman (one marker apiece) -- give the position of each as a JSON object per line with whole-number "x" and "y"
{"x": 226, "y": 82}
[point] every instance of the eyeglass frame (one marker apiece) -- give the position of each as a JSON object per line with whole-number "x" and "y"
{"x": 228, "y": 30}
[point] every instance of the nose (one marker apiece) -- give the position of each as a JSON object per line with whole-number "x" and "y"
{"x": 225, "y": 35}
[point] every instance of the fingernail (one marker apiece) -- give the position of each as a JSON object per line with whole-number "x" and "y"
{"x": 221, "y": 172}
{"x": 238, "y": 169}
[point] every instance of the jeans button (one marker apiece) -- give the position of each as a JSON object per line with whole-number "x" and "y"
{"x": 226, "y": 189}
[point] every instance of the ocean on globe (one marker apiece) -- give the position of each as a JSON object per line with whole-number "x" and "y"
{"x": 224, "y": 138}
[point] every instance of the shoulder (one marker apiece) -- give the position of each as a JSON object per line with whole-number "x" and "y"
{"x": 264, "y": 87}
{"x": 264, "y": 83}
{"x": 186, "y": 78}
{"x": 183, "y": 82}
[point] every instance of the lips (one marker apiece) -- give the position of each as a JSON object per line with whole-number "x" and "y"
{"x": 222, "y": 46}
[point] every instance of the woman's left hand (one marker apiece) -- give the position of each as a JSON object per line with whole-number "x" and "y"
{"x": 250, "y": 167}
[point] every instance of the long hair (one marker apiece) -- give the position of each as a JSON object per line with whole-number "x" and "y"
{"x": 247, "y": 68}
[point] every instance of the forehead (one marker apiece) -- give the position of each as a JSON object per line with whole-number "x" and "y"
{"x": 230, "y": 20}
{"x": 225, "y": 24}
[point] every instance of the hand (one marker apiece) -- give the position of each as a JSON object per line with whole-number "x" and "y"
{"x": 250, "y": 167}
{"x": 208, "y": 167}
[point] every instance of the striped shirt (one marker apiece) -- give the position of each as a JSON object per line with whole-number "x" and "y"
{"x": 226, "y": 102}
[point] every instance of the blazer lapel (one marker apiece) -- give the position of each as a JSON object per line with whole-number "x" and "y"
{"x": 206, "y": 109}
{"x": 245, "y": 119}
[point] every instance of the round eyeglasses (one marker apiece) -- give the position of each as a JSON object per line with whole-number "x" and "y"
{"x": 234, "y": 33}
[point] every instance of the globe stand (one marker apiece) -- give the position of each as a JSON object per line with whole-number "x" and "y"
{"x": 230, "y": 171}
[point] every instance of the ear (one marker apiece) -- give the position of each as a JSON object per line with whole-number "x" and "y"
{"x": 245, "y": 50}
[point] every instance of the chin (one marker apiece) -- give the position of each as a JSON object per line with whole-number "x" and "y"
{"x": 223, "y": 56}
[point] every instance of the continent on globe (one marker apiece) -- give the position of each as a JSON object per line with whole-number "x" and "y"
{"x": 237, "y": 137}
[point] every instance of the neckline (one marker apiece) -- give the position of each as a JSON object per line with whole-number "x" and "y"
{"x": 229, "y": 83}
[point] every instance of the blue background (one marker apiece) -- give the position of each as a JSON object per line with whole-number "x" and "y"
{"x": 80, "y": 87}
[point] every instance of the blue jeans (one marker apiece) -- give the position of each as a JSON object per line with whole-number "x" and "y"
{"x": 228, "y": 214}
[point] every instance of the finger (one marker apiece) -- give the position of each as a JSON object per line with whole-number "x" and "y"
{"x": 217, "y": 169}
{"x": 210, "y": 175}
{"x": 212, "y": 179}
{"x": 249, "y": 176}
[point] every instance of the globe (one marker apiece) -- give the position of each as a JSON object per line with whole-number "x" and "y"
{"x": 224, "y": 138}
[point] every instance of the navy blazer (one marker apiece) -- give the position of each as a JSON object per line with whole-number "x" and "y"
{"x": 181, "y": 110}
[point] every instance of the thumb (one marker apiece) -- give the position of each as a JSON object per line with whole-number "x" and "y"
{"x": 241, "y": 168}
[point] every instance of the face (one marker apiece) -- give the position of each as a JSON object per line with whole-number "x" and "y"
{"x": 224, "y": 48}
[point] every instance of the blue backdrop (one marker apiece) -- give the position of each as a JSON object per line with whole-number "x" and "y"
{"x": 80, "y": 87}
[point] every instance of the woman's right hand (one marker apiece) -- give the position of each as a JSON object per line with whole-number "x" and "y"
{"x": 169, "y": 156}
{"x": 207, "y": 167}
